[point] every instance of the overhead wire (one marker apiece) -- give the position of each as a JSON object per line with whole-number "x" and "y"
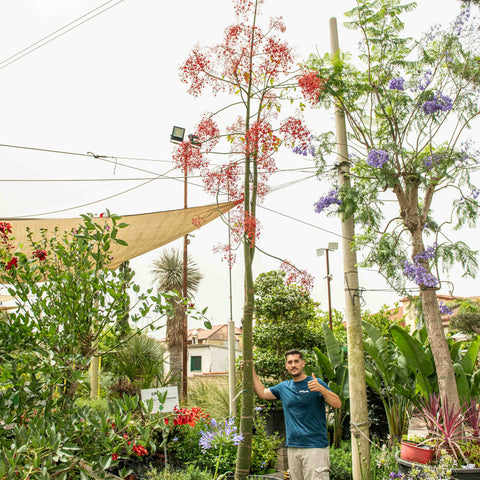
{"x": 53, "y": 36}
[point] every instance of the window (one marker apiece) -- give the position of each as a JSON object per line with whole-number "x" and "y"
{"x": 195, "y": 364}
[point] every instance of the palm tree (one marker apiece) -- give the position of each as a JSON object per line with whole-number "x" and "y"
{"x": 168, "y": 273}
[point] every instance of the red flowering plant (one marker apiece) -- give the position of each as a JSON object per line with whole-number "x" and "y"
{"x": 255, "y": 64}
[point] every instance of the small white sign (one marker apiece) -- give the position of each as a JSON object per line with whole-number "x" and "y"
{"x": 171, "y": 399}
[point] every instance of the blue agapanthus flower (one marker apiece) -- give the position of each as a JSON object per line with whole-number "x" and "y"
{"x": 220, "y": 434}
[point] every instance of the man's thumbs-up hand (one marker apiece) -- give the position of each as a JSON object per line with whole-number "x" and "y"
{"x": 314, "y": 385}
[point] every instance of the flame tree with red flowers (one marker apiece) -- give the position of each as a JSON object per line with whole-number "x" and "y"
{"x": 256, "y": 65}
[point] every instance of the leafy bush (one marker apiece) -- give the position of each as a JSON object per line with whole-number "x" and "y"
{"x": 341, "y": 462}
{"x": 383, "y": 461}
{"x": 191, "y": 473}
{"x": 264, "y": 448}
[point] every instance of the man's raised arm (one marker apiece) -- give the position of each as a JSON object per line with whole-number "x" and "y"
{"x": 260, "y": 390}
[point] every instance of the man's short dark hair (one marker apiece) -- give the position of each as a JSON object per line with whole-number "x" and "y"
{"x": 294, "y": 352}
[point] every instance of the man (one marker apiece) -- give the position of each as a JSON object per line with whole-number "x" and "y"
{"x": 303, "y": 399}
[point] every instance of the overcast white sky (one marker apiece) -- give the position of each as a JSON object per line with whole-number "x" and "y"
{"x": 111, "y": 87}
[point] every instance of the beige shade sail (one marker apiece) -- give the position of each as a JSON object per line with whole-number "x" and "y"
{"x": 145, "y": 232}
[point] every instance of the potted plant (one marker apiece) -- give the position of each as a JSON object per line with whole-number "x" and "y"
{"x": 452, "y": 431}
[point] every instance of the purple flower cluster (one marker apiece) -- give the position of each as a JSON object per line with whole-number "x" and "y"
{"x": 331, "y": 198}
{"x": 308, "y": 150}
{"x": 448, "y": 58}
{"x": 220, "y": 435}
{"x": 439, "y": 103}
{"x": 444, "y": 309}
{"x": 428, "y": 254}
{"x": 431, "y": 160}
{"x": 376, "y": 158}
{"x": 395, "y": 475}
{"x": 460, "y": 21}
{"x": 418, "y": 274}
{"x": 425, "y": 81}
{"x": 475, "y": 193}
{"x": 396, "y": 83}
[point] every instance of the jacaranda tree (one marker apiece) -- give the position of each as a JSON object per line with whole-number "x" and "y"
{"x": 409, "y": 106}
{"x": 254, "y": 64}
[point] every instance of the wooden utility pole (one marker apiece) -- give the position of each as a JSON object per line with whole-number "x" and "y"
{"x": 185, "y": 295}
{"x": 356, "y": 360}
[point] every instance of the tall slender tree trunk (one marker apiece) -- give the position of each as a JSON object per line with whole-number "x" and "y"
{"x": 246, "y": 416}
{"x": 356, "y": 359}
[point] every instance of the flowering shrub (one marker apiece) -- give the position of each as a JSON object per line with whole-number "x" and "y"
{"x": 185, "y": 416}
{"x": 67, "y": 301}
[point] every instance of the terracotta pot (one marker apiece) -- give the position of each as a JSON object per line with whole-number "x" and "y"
{"x": 416, "y": 453}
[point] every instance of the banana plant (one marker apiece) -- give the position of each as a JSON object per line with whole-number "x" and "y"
{"x": 416, "y": 350}
{"x": 387, "y": 374}
{"x": 333, "y": 369}
{"x": 466, "y": 373}
{"x": 419, "y": 359}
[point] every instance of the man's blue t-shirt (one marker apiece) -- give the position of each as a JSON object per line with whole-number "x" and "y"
{"x": 304, "y": 411}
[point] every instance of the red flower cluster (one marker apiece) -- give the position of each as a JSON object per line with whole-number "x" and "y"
{"x": 139, "y": 450}
{"x": 186, "y": 156}
{"x": 279, "y": 58}
{"x": 295, "y": 132}
{"x": 188, "y": 417}
{"x": 301, "y": 278}
{"x": 5, "y": 228}
{"x": 243, "y": 7}
{"x": 40, "y": 254}
{"x": 227, "y": 253}
{"x": 114, "y": 456}
{"x": 261, "y": 142}
{"x": 208, "y": 133}
{"x": 194, "y": 71}
{"x": 312, "y": 86}
{"x": 225, "y": 180}
{"x": 243, "y": 224}
{"x": 277, "y": 23}
{"x": 197, "y": 221}
{"x": 12, "y": 263}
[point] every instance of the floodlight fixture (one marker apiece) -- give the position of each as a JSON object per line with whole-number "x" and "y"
{"x": 177, "y": 134}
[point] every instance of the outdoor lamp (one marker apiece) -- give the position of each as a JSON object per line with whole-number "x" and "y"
{"x": 177, "y": 134}
{"x": 332, "y": 246}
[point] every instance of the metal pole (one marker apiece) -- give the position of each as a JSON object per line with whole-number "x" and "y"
{"x": 184, "y": 294}
{"x": 329, "y": 279}
{"x": 232, "y": 381}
